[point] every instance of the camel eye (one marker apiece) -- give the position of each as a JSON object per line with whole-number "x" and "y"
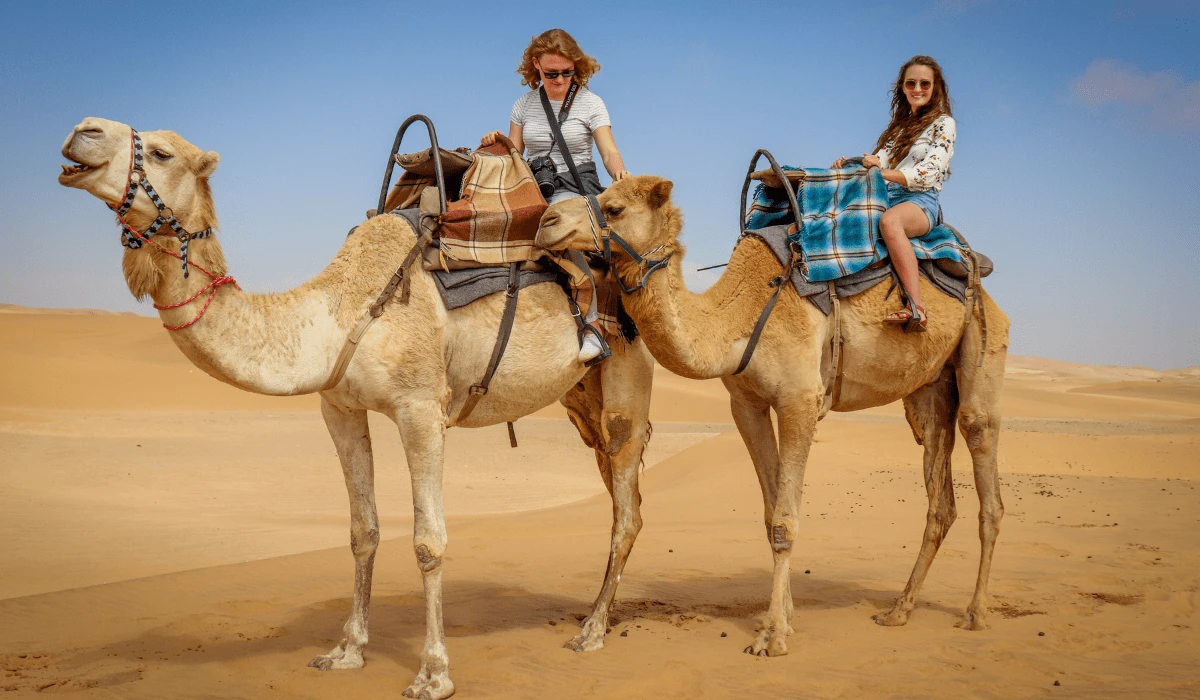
{"x": 161, "y": 154}
{"x": 613, "y": 211}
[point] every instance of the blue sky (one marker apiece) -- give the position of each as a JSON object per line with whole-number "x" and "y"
{"x": 1075, "y": 166}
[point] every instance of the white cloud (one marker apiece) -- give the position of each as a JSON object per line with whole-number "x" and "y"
{"x": 1164, "y": 96}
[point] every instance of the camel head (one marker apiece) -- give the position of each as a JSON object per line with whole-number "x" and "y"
{"x": 638, "y": 209}
{"x": 100, "y": 152}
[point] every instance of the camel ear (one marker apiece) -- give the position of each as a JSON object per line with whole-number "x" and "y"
{"x": 208, "y": 163}
{"x": 660, "y": 192}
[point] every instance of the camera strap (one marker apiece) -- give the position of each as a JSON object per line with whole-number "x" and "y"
{"x": 557, "y": 131}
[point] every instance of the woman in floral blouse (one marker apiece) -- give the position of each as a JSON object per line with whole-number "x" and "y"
{"x": 914, "y": 154}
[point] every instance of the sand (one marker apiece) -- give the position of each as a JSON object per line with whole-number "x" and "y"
{"x": 167, "y": 536}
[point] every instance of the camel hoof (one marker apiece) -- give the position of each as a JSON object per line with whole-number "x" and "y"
{"x": 336, "y": 662}
{"x": 583, "y": 642}
{"x": 762, "y": 652}
{"x": 892, "y": 618}
{"x": 972, "y": 622}
{"x": 432, "y": 689}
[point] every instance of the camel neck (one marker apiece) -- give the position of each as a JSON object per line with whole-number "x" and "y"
{"x": 702, "y": 336}
{"x": 277, "y": 344}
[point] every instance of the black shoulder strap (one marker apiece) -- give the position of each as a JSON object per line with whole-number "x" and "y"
{"x": 558, "y": 137}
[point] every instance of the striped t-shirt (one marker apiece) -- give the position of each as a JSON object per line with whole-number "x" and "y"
{"x": 588, "y": 113}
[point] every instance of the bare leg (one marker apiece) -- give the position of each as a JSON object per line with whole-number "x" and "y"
{"x": 422, "y": 424}
{"x": 898, "y": 224}
{"x": 624, "y": 384}
{"x": 797, "y": 424}
{"x": 352, "y": 439}
{"x": 930, "y": 411}
{"x": 979, "y": 420}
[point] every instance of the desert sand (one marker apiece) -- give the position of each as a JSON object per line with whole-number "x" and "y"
{"x": 167, "y": 536}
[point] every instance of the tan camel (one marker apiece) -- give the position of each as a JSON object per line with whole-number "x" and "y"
{"x": 415, "y": 365}
{"x": 703, "y": 336}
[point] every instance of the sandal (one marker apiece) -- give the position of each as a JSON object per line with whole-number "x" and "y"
{"x": 914, "y": 319}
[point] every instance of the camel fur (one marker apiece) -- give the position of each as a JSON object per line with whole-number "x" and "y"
{"x": 704, "y": 335}
{"x": 415, "y": 365}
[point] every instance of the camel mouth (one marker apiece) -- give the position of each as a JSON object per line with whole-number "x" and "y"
{"x": 75, "y": 171}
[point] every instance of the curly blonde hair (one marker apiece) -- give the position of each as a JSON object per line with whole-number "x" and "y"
{"x": 560, "y": 42}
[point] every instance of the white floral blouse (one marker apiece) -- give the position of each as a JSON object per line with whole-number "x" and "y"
{"x": 927, "y": 164}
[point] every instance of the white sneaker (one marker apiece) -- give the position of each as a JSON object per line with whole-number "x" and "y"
{"x": 590, "y": 348}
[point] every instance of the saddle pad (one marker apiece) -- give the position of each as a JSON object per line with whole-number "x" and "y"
{"x": 461, "y": 287}
{"x": 776, "y": 238}
{"x": 839, "y": 232}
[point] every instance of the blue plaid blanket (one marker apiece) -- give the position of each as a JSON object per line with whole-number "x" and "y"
{"x": 839, "y": 229}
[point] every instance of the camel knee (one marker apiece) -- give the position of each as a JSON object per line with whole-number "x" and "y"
{"x": 990, "y": 515}
{"x": 976, "y": 429}
{"x": 429, "y": 556}
{"x": 781, "y": 537}
{"x": 364, "y": 542}
{"x": 617, "y": 429}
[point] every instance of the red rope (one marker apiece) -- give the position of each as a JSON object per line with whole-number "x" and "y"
{"x": 211, "y": 287}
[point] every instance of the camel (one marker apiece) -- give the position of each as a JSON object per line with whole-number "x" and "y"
{"x": 702, "y": 336}
{"x": 415, "y": 365}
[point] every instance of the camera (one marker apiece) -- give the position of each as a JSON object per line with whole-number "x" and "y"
{"x": 543, "y": 174}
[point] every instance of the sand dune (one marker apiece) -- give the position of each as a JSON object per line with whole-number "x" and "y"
{"x": 191, "y": 542}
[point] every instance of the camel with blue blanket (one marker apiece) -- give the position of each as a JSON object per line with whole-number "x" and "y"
{"x": 820, "y": 346}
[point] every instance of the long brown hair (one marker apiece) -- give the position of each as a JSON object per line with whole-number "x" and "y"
{"x": 905, "y": 126}
{"x": 560, "y": 42}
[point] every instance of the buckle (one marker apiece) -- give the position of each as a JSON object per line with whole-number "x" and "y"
{"x": 478, "y": 390}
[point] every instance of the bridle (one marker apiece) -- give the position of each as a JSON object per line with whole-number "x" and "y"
{"x": 131, "y": 239}
{"x": 646, "y": 265}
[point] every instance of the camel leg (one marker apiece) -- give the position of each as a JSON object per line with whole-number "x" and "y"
{"x": 930, "y": 411}
{"x": 625, "y": 381}
{"x": 422, "y": 424}
{"x": 979, "y": 420}
{"x": 752, "y": 416}
{"x": 797, "y": 425}
{"x": 352, "y": 439}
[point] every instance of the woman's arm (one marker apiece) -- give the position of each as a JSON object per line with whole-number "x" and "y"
{"x": 889, "y": 174}
{"x": 613, "y": 163}
{"x": 516, "y": 134}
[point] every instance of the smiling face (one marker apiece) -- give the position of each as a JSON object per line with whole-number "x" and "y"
{"x": 918, "y": 86}
{"x": 555, "y": 87}
{"x": 101, "y": 150}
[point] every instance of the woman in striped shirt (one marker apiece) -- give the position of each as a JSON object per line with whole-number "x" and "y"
{"x": 553, "y": 62}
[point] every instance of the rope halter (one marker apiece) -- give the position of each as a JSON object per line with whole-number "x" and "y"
{"x": 130, "y": 238}
{"x": 133, "y": 240}
{"x": 646, "y": 265}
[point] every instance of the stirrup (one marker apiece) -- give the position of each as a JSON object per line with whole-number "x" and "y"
{"x": 605, "y": 351}
{"x": 917, "y": 321}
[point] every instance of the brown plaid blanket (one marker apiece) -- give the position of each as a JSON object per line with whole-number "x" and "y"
{"x": 496, "y": 219}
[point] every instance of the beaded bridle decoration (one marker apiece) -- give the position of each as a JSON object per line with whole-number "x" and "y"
{"x": 131, "y": 239}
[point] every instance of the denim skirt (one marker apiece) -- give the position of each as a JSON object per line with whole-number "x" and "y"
{"x": 927, "y": 200}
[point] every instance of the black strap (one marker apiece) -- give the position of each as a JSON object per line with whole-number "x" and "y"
{"x": 558, "y": 137}
{"x": 506, "y": 323}
{"x": 778, "y": 283}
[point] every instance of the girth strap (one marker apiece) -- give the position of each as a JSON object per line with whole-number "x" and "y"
{"x": 832, "y": 372}
{"x": 778, "y": 283}
{"x": 506, "y": 323}
{"x": 400, "y": 279}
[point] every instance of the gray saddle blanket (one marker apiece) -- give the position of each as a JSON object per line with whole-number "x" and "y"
{"x": 461, "y": 287}
{"x": 776, "y": 238}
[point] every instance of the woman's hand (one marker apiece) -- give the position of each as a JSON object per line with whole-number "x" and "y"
{"x": 870, "y": 161}
{"x": 839, "y": 163}
{"x": 489, "y": 138}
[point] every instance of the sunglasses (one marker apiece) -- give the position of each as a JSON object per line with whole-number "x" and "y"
{"x": 912, "y": 84}
{"x": 553, "y": 74}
